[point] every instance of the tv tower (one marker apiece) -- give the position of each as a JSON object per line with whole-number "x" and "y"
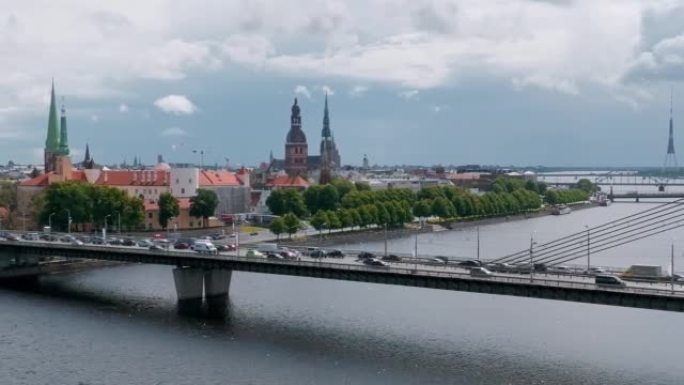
{"x": 670, "y": 165}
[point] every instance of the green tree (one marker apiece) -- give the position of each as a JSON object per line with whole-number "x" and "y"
{"x": 319, "y": 220}
{"x": 278, "y": 227}
{"x": 168, "y": 208}
{"x": 356, "y": 217}
{"x": 587, "y": 186}
{"x": 333, "y": 222}
{"x": 422, "y": 208}
{"x": 203, "y": 204}
{"x": 66, "y": 200}
{"x": 311, "y": 198}
{"x": 281, "y": 202}
{"x": 328, "y": 197}
{"x": 343, "y": 186}
{"x": 292, "y": 223}
{"x": 362, "y": 186}
{"x": 443, "y": 208}
{"x": 345, "y": 217}
{"x": 133, "y": 213}
{"x": 34, "y": 173}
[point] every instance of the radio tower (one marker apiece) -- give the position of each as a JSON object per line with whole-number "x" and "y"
{"x": 670, "y": 165}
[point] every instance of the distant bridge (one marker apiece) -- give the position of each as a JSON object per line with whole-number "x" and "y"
{"x": 199, "y": 275}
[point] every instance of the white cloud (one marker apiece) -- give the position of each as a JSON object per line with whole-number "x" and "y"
{"x": 94, "y": 118}
{"x": 174, "y": 131}
{"x": 437, "y": 108}
{"x": 302, "y": 91}
{"x": 123, "y": 108}
{"x": 408, "y": 95}
{"x": 358, "y": 91}
{"x": 175, "y": 104}
{"x": 327, "y": 90}
{"x": 546, "y": 82}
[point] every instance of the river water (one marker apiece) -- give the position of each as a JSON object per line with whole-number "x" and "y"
{"x": 119, "y": 325}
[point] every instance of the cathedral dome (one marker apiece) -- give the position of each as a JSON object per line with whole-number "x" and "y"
{"x": 296, "y": 135}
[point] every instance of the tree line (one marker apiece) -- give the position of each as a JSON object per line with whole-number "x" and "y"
{"x": 88, "y": 205}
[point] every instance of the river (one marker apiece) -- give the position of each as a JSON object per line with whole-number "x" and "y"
{"x": 119, "y": 325}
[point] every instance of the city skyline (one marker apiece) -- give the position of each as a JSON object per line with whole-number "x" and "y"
{"x": 523, "y": 93}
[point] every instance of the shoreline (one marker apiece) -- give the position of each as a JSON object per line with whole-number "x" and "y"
{"x": 378, "y": 234}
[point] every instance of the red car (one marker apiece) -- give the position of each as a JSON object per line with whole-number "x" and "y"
{"x": 181, "y": 245}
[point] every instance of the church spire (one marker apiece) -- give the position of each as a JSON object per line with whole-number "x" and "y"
{"x": 52, "y": 141}
{"x": 63, "y": 136}
{"x": 326, "y": 120}
{"x": 87, "y": 154}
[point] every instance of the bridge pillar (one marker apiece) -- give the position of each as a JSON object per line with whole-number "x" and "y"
{"x": 216, "y": 287}
{"x": 189, "y": 287}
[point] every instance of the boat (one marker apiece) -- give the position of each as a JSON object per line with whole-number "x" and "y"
{"x": 560, "y": 210}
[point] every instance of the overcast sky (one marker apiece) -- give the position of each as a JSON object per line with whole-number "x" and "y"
{"x": 410, "y": 81}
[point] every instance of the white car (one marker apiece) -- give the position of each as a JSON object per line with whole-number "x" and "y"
{"x": 480, "y": 272}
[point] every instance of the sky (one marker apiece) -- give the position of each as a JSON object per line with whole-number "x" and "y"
{"x": 516, "y": 82}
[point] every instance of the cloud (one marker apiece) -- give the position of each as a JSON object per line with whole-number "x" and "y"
{"x": 174, "y": 131}
{"x": 94, "y": 118}
{"x": 358, "y": 91}
{"x": 175, "y": 104}
{"x": 546, "y": 82}
{"x": 437, "y": 108}
{"x": 302, "y": 91}
{"x": 327, "y": 90}
{"x": 408, "y": 95}
{"x": 123, "y": 108}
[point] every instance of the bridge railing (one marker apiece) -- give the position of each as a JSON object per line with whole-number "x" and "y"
{"x": 408, "y": 271}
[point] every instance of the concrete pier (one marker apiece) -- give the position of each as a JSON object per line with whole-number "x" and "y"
{"x": 189, "y": 287}
{"x": 216, "y": 289}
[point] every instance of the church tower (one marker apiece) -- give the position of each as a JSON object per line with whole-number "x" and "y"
{"x": 52, "y": 142}
{"x": 330, "y": 156}
{"x": 296, "y": 148}
{"x": 63, "y": 136}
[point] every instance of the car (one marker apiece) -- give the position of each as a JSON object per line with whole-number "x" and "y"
{"x": 335, "y": 253}
{"x": 145, "y": 243}
{"x": 97, "y": 241}
{"x": 66, "y": 239}
{"x": 115, "y": 241}
{"x": 49, "y": 237}
{"x": 470, "y": 263}
{"x": 181, "y": 245}
{"x": 254, "y": 253}
{"x": 594, "y": 270}
{"x": 275, "y": 256}
{"x": 205, "y": 247}
{"x": 222, "y": 248}
{"x": 499, "y": 267}
{"x": 253, "y": 233}
{"x": 436, "y": 261}
{"x": 319, "y": 253}
{"x": 156, "y": 247}
{"x": 559, "y": 269}
{"x": 128, "y": 242}
{"x": 391, "y": 258}
{"x": 481, "y": 272}
{"x": 11, "y": 237}
{"x": 76, "y": 242}
{"x": 365, "y": 255}
{"x": 30, "y": 236}
{"x": 375, "y": 262}
{"x": 217, "y": 237}
{"x": 608, "y": 280}
{"x": 288, "y": 254}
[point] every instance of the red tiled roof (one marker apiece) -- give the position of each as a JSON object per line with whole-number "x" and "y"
{"x": 218, "y": 178}
{"x": 40, "y": 180}
{"x": 288, "y": 181}
{"x": 133, "y": 178}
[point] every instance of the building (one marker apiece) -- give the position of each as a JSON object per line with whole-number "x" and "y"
{"x": 56, "y": 143}
{"x": 297, "y": 160}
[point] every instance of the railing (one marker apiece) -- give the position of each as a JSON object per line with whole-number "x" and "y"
{"x": 413, "y": 272}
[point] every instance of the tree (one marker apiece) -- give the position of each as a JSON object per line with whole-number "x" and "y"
{"x": 278, "y": 227}
{"x": 292, "y": 224}
{"x": 345, "y": 217}
{"x": 34, "y": 173}
{"x": 311, "y": 198}
{"x": 333, "y": 222}
{"x": 343, "y": 186}
{"x": 362, "y": 186}
{"x": 319, "y": 220}
{"x": 587, "y": 186}
{"x": 168, "y": 208}
{"x": 356, "y": 217}
{"x": 328, "y": 197}
{"x": 285, "y": 201}
{"x": 422, "y": 208}
{"x": 67, "y": 200}
{"x": 203, "y": 204}
{"x": 443, "y": 208}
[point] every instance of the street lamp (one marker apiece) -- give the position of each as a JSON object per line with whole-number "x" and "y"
{"x": 532, "y": 243}
{"x": 385, "y": 239}
{"x": 50, "y": 220}
{"x": 588, "y": 248}
{"x": 68, "y": 221}
{"x": 201, "y": 152}
{"x": 104, "y": 230}
{"x": 478, "y": 243}
{"x": 118, "y": 213}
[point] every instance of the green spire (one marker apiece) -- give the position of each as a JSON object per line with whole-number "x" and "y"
{"x": 52, "y": 142}
{"x": 63, "y": 139}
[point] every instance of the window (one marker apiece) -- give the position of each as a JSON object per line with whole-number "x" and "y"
{"x": 176, "y": 180}
{"x": 182, "y": 190}
{"x": 190, "y": 181}
{"x": 149, "y": 215}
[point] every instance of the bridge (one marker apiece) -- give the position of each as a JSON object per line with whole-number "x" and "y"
{"x": 199, "y": 276}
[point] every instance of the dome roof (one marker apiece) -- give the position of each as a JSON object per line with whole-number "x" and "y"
{"x": 296, "y": 135}
{"x": 162, "y": 166}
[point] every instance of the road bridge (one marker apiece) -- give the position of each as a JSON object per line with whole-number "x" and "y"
{"x": 199, "y": 276}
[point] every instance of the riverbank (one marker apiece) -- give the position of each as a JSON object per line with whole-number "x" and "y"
{"x": 342, "y": 239}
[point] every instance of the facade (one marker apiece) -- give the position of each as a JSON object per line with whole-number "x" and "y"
{"x": 296, "y": 148}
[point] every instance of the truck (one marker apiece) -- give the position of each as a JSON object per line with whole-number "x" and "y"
{"x": 644, "y": 272}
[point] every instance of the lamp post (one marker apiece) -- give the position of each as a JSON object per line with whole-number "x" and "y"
{"x": 532, "y": 243}
{"x": 415, "y": 255}
{"x": 68, "y": 220}
{"x": 104, "y": 230}
{"x": 672, "y": 269}
{"x": 385, "y": 239}
{"x": 478, "y": 243}
{"x": 118, "y": 213}
{"x": 168, "y": 226}
{"x": 201, "y": 152}
{"x": 588, "y": 248}
{"x": 50, "y": 221}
